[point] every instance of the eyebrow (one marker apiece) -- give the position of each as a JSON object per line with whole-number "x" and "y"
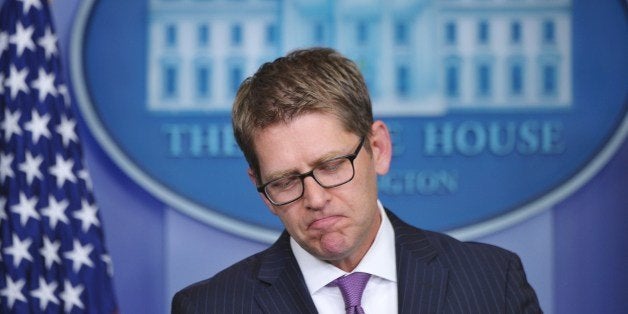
{"x": 293, "y": 172}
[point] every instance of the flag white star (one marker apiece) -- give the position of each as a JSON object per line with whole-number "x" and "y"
{"x": 71, "y": 296}
{"x": 45, "y": 293}
{"x": 4, "y": 41}
{"x": 30, "y": 167}
{"x": 45, "y": 84}
{"x": 30, "y": 3}
{"x": 84, "y": 175}
{"x": 10, "y": 124}
{"x": 13, "y": 291}
{"x": 107, "y": 259}
{"x": 66, "y": 130}
{"x": 62, "y": 170}
{"x": 65, "y": 93}
{"x": 56, "y": 211}
{"x": 80, "y": 256}
{"x": 87, "y": 215}
{"x": 38, "y": 126}
{"x": 26, "y": 208}
{"x": 16, "y": 81}
{"x": 6, "y": 171}
{"x": 19, "y": 250}
{"x": 22, "y": 39}
{"x": 50, "y": 252}
{"x": 49, "y": 43}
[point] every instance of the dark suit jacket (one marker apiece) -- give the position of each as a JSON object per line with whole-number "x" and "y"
{"x": 435, "y": 274}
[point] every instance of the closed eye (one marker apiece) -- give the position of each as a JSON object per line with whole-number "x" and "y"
{"x": 283, "y": 184}
{"x": 331, "y": 166}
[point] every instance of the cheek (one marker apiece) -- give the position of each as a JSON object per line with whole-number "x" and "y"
{"x": 290, "y": 220}
{"x": 366, "y": 185}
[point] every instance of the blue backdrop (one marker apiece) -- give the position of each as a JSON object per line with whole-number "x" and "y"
{"x": 575, "y": 253}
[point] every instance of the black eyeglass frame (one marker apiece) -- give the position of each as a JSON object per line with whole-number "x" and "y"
{"x": 302, "y": 176}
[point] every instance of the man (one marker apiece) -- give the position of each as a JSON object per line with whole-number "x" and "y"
{"x": 305, "y": 125}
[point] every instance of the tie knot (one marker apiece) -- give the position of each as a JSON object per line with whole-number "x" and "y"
{"x": 352, "y": 286}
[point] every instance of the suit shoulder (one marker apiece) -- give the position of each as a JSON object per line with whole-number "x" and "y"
{"x": 234, "y": 282}
{"x": 242, "y": 271}
{"x": 461, "y": 252}
{"x": 488, "y": 269}
{"x": 447, "y": 248}
{"x": 232, "y": 290}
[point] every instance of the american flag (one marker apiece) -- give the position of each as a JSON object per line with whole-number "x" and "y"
{"x": 52, "y": 252}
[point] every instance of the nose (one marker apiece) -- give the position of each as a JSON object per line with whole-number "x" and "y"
{"x": 314, "y": 196}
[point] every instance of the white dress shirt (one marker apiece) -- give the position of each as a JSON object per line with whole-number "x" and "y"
{"x": 380, "y": 293}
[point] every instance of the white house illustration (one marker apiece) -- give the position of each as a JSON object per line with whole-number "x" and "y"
{"x": 419, "y": 57}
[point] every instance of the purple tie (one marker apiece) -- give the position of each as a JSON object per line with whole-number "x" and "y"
{"x": 352, "y": 287}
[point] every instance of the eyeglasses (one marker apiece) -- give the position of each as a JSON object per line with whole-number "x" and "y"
{"x": 329, "y": 174}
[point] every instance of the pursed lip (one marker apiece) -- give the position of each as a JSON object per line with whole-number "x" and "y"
{"x": 324, "y": 222}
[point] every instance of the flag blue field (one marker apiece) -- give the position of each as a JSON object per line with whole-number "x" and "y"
{"x": 52, "y": 253}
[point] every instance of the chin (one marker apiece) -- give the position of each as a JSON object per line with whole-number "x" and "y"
{"x": 334, "y": 249}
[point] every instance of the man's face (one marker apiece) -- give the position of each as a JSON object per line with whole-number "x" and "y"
{"x": 336, "y": 224}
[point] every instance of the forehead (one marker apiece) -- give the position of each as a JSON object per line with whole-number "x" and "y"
{"x": 301, "y": 142}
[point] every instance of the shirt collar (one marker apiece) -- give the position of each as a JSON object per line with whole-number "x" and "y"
{"x": 379, "y": 259}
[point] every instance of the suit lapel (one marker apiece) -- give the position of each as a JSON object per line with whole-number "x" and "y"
{"x": 422, "y": 283}
{"x": 282, "y": 288}
{"x": 421, "y": 288}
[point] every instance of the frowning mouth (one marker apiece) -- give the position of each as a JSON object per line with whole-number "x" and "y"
{"x": 324, "y": 222}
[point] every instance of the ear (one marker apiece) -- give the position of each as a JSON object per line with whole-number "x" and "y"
{"x": 253, "y": 179}
{"x": 252, "y": 176}
{"x": 381, "y": 147}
